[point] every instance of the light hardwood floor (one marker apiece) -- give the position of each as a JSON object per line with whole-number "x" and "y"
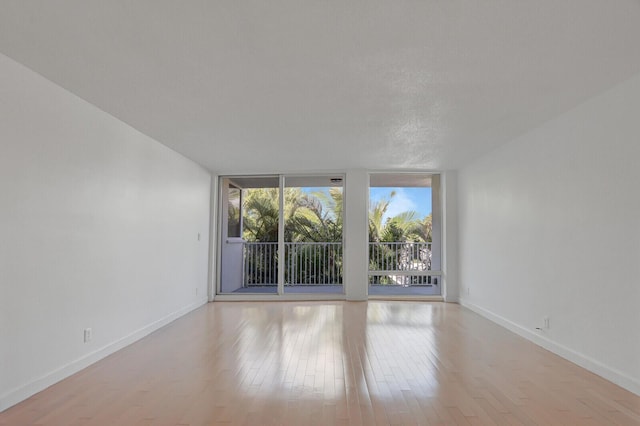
{"x": 325, "y": 363}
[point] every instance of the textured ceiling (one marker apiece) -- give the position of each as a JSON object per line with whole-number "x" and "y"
{"x": 300, "y": 85}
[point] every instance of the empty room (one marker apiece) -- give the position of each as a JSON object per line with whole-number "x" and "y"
{"x": 296, "y": 212}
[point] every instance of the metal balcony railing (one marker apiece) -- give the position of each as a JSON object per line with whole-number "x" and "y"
{"x": 314, "y": 263}
{"x": 260, "y": 264}
{"x": 399, "y": 256}
{"x": 320, "y": 263}
{"x": 401, "y": 263}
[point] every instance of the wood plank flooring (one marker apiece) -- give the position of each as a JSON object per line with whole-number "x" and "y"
{"x": 331, "y": 363}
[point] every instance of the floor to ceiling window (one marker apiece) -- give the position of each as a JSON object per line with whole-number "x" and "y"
{"x": 313, "y": 234}
{"x": 404, "y": 235}
{"x": 281, "y": 234}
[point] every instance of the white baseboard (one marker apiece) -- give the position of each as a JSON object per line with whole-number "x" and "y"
{"x": 25, "y": 391}
{"x": 584, "y": 361}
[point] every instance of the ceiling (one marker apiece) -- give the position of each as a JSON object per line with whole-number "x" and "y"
{"x": 322, "y": 85}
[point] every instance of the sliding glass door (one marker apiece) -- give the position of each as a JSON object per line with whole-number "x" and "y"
{"x": 281, "y": 234}
{"x": 313, "y": 234}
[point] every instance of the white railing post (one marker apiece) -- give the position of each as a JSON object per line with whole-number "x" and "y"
{"x": 313, "y": 263}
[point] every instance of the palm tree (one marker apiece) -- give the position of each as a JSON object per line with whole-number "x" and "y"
{"x": 422, "y": 230}
{"x": 387, "y": 251}
{"x": 318, "y": 217}
{"x": 376, "y": 216}
{"x": 313, "y": 217}
{"x": 307, "y": 217}
{"x": 260, "y": 215}
{"x": 394, "y": 229}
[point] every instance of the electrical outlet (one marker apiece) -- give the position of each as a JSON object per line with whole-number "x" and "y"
{"x": 196, "y": 291}
{"x": 87, "y": 335}
{"x": 468, "y": 291}
{"x": 546, "y": 322}
{"x": 198, "y": 236}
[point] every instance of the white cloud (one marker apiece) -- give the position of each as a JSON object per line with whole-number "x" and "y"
{"x": 399, "y": 204}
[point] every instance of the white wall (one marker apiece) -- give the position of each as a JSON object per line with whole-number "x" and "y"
{"x": 98, "y": 228}
{"x": 550, "y": 226}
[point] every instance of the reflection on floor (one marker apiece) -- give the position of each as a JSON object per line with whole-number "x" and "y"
{"x": 258, "y": 290}
{"x": 321, "y": 289}
{"x": 374, "y": 290}
{"x": 330, "y": 363}
{"x": 398, "y": 290}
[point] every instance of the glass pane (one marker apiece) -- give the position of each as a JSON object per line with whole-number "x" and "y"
{"x": 234, "y": 228}
{"x": 313, "y": 234}
{"x": 249, "y": 246}
{"x": 404, "y": 234}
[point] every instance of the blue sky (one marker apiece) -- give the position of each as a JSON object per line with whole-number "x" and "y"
{"x": 416, "y": 199}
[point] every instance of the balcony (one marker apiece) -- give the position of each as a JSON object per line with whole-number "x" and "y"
{"x": 283, "y": 234}
{"x": 317, "y": 267}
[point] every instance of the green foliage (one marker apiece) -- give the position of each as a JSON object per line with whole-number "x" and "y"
{"x": 260, "y": 220}
{"x": 402, "y": 227}
{"x": 313, "y": 217}
{"x": 317, "y": 217}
